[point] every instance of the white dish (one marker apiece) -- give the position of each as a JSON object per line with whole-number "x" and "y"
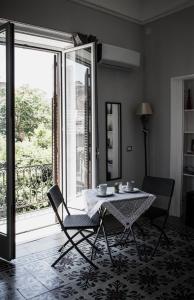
{"x": 134, "y": 190}
{"x": 104, "y": 196}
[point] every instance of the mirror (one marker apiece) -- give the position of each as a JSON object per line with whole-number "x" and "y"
{"x": 113, "y": 140}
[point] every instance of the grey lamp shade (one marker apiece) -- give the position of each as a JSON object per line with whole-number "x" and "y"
{"x": 144, "y": 108}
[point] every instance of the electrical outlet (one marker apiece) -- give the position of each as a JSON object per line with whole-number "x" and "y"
{"x": 129, "y": 148}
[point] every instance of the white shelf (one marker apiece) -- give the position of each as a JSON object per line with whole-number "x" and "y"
{"x": 187, "y": 132}
{"x": 187, "y": 154}
{"x": 188, "y": 137}
{"x": 188, "y": 175}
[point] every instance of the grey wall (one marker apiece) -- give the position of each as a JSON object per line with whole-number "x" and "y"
{"x": 169, "y": 52}
{"x": 70, "y": 17}
{"x": 125, "y": 87}
{"x": 115, "y": 85}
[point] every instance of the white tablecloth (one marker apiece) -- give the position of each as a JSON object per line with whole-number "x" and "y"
{"x": 126, "y": 207}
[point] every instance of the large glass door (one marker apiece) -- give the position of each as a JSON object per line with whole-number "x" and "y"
{"x": 80, "y": 122}
{"x": 7, "y": 133}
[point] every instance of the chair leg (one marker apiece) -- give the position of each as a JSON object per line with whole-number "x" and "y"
{"x": 91, "y": 244}
{"x": 162, "y": 231}
{"x": 86, "y": 258}
{"x": 157, "y": 244}
{"x": 66, "y": 243}
{"x": 74, "y": 245}
{"x": 79, "y": 251}
{"x": 64, "y": 253}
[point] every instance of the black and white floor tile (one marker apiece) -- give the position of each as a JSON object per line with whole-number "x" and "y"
{"x": 168, "y": 276}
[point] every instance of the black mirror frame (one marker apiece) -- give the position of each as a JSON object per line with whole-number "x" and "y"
{"x": 108, "y": 177}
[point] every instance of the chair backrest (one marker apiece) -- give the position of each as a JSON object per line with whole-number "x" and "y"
{"x": 161, "y": 187}
{"x": 56, "y": 199}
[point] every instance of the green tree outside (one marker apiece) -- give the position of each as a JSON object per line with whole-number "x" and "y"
{"x": 33, "y": 147}
{"x": 33, "y": 132}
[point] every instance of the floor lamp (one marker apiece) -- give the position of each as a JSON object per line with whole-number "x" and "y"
{"x": 144, "y": 110}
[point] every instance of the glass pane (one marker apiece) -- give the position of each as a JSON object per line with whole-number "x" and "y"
{"x": 78, "y": 125}
{"x": 33, "y": 139}
{"x": 3, "y": 175}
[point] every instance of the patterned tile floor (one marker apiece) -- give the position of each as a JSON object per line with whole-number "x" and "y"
{"x": 170, "y": 275}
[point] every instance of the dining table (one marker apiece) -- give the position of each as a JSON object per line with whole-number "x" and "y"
{"x": 125, "y": 206}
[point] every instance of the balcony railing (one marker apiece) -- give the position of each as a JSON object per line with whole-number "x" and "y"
{"x": 32, "y": 184}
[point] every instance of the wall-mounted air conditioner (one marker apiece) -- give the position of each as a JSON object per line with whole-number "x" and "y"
{"x": 118, "y": 57}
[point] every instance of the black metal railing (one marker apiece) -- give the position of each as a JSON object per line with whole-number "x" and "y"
{"x": 32, "y": 184}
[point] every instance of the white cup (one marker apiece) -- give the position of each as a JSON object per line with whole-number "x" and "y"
{"x": 102, "y": 188}
{"x": 129, "y": 186}
{"x": 120, "y": 187}
{"x": 132, "y": 184}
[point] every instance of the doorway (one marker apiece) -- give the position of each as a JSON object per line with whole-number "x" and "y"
{"x": 37, "y": 134}
{"x": 34, "y": 90}
{"x": 51, "y": 85}
{"x": 180, "y": 144}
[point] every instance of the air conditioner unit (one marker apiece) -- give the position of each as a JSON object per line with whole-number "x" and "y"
{"x": 118, "y": 57}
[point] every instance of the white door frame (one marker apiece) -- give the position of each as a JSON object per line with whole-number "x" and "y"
{"x": 176, "y": 140}
{"x": 93, "y": 114}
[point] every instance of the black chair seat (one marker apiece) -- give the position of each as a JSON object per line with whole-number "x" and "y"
{"x": 80, "y": 222}
{"x": 155, "y": 212}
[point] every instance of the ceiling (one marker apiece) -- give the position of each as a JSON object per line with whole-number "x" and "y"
{"x": 139, "y": 11}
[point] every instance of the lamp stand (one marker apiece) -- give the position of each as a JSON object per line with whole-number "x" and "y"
{"x": 144, "y": 120}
